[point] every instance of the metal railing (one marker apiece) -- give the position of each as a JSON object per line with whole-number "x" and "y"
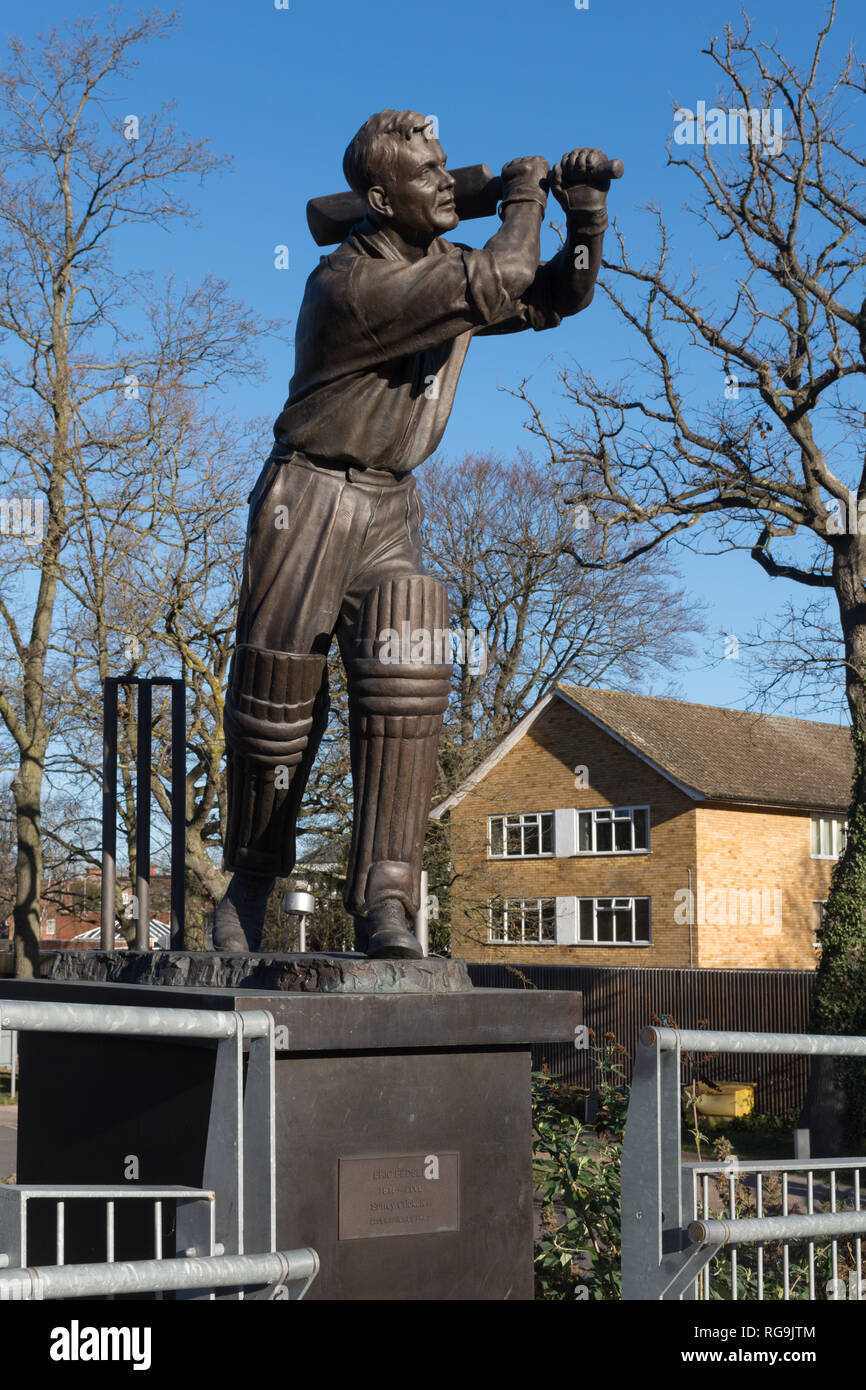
{"x": 729, "y": 1199}
{"x": 194, "y": 1216}
{"x": 235, "y": 1210}
{"x": 277, "y": 1272}
{"x": 709, "y": 1230}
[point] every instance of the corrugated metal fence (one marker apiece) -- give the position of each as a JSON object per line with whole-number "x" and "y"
{"x": 622, "y": 1001}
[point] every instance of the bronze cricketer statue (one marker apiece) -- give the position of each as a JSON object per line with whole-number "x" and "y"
{"x": 333, "y": 535}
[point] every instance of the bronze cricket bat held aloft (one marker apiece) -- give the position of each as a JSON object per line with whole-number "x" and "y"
{"x": 476, "y": 194}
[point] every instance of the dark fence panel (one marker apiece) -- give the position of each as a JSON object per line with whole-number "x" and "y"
{"x": 623, "y": 1000}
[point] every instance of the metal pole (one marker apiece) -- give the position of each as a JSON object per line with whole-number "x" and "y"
{"x": 178, "y": 814}
{"x": 132, "y": 1020}
{"x": 149, "y": 1276}
{"x": 109, "y": 811}
{"x": 777, "y": 1044}
{"x": 142, "y": 814}
{"x": 765, "y": 1228}
{"x": 422, "y": 926}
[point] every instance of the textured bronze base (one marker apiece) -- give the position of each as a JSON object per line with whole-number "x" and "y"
{"x": 304, "y": 974}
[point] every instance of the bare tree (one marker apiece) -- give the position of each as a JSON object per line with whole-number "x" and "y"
{"x": 154, "y": 592}
{"x": 775, "y": 462}
{"x": 93, "y": 358}
{"x": 525, "y": 613}
{"x": 7, "y": 860}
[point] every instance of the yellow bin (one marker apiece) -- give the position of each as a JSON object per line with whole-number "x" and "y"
{"x": 730, "y": 1098}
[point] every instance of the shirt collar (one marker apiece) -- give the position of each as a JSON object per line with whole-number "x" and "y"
{"x": 370, "y": 240}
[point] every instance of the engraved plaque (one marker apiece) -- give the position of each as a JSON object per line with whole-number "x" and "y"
{"x": 399, "y": 1195}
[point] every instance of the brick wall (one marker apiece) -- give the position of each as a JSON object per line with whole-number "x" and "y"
{"x": 538, "y": 775}
{"x": 757, "y": 884}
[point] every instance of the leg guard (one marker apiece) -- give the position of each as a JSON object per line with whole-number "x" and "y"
{"x": 399, "y": 675}
{"x": 275, "y": 713}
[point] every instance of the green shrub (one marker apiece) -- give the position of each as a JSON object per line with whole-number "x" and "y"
{"x": 577, "y": 1169}
{"x": 578, "y": 1173}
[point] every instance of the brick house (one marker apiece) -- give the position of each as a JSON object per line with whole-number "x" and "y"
{"x": 617, "y": 829}
{"x": 70, "y": 912}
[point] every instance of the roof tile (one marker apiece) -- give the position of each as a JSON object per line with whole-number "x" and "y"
{"x": 730, "y": 754}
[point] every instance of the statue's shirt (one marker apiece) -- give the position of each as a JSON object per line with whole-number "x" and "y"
{"x": 380, "y": 344}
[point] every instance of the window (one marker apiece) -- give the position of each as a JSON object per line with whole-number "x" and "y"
{"x": 521, "y": 837}
{"x": 818, "y": 905}
{"x": 613, "y": 921}
{"x": 51, "y": 926}
{"x": 829, "y": 834}
{"x": 527, "y": 921}
{"x": 613, "y": 830}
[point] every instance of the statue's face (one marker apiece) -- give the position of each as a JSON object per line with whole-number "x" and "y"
{"x": 420, "y": 196}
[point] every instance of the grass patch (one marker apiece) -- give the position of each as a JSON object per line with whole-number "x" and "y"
{"x": 6, "y": 1097}
{"x": 750, "y": 1137}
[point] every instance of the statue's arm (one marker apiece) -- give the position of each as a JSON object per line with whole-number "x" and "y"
{"x": 387, "y": 308}
{"x": 572, "y": 273}
{"x": 515, "y": 249}
{"x": 560, "y": 287}
{"x": 392, "y": 308}
{"x": 566, "y": 284}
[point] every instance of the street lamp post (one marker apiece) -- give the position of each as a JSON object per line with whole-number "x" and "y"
{"x": 302, "y": 906}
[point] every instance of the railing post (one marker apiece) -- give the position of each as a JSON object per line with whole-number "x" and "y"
{"x": 259, "y": 1153}
{"x": 109, "y": 812}
{"x": 652, "y": 1196}
{"x": 178, "y": 814}
{"x": 224, "y": 1153}
{"x": 144, "y": 715}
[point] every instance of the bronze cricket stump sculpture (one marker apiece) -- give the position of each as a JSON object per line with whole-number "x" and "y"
{"x": 333, "y": 545}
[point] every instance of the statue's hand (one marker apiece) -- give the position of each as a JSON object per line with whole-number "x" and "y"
{"x": 525, "y": 179}
{"x": 579, "y": 190}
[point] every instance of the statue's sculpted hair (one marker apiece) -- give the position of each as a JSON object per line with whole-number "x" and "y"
{"x": 371, "y": 157}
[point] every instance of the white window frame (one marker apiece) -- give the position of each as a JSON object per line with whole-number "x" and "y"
{"x": 522, "y": 904}
{"x": 611, "y": 814}
{"x": 523, "y": 819}
{"x": 822, "y": 903}
{"x": 837, "y": 837}
{"x": 617, "y": 903}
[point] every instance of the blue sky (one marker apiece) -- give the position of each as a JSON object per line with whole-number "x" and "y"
{"x": 283, "y": 90}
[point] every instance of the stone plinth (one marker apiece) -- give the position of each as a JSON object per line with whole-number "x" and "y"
{"x": 403, "y": 1122}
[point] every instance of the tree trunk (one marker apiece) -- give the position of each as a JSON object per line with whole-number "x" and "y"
{"x": 203, "y": 879}
{"x": 27, "y": 790}
{"x": 824, "y": 1110}
{"x": 835, "y": 1109}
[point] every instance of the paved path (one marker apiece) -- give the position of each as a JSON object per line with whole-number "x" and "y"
{"x": 8, "y": 1139}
